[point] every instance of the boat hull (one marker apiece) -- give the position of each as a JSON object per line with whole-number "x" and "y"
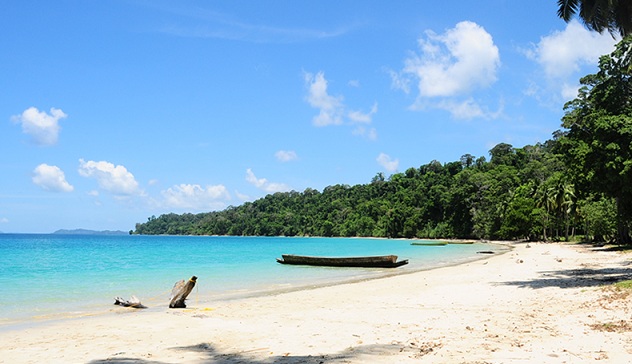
{"x": 430, "y": 244}
{"x": 384, "y": 261}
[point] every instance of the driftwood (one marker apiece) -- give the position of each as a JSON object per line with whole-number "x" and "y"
{"x": 180, "y": 292}
{"x": 132, "y": 302}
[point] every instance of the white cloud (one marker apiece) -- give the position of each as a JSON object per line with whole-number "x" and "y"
{"x": 286, "y": 155}
{"x": 263, "y": 184}
{"x": 4, "y": 220}
{"x": 400, "y": 81}
{"x": 465, "y": 109}
{"x": 332, "y": 111}
{"x": 462, "y": 59}
{"x": 331, "y": 108}
{"x": 194, "y": 196}
{"x": 387, "y": 163}
{"x": 114, "y": 179}
{"x": 51, "y": 178}
{"x": 43, "y": 128}
{"x": 563, "y": 52}
{"x": 562, "y": 55}
{"x": 360, "y": 117}
{"x": 450, "y": 65}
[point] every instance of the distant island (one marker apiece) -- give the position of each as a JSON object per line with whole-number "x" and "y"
{"x": 89, "y": 232}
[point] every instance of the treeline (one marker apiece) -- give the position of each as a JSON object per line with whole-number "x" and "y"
{"x": 578, "y": 183}
{"x": 520, "y": 193}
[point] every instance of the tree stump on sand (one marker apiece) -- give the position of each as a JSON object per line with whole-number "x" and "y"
{"x": 180, "y": 292}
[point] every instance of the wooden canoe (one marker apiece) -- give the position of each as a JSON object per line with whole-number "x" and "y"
{"x": 384, "y": 261}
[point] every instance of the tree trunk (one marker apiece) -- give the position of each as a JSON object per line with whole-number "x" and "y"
{"x": 180, "y": 292}
{"x": 623, "y": 231}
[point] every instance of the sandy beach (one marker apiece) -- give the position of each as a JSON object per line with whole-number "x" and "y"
{"x": 539, "y": 303}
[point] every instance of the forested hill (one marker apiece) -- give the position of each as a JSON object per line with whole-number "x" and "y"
{"x": 519, "y": 193}
{"x": 580, "y": 182}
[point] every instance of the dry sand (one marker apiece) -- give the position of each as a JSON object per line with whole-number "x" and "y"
{"x": 539, "y": 303}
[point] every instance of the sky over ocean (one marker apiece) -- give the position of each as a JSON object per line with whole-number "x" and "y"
{"x": 116, "y": 111}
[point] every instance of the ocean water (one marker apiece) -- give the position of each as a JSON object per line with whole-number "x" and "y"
{"x": 51, "y": 276}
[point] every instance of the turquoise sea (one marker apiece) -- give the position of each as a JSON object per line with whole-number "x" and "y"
{"x": 50, "y": 276}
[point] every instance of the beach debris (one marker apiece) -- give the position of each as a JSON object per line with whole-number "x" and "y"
{"x": 180, "y": 292}
{"x": 485, "y": 252}
{"x": 133, "y": 302}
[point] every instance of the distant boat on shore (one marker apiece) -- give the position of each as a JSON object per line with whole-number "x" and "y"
{"x": 429, "y": 243}
{"x": 383, "y": 261}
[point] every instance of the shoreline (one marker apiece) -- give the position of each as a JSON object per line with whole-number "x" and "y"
{"x": 539, "y": 302}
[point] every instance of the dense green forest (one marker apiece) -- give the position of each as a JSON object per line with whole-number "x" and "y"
{"x": 578, "y": 184}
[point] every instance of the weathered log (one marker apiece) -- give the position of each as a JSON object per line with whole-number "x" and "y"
{"x": 180, "y": 292}
{"x": 132, "y": 302}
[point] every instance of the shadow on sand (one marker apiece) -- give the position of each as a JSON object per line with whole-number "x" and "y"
{"x": 211, "y": 355}
{"x": 576, "y": 278}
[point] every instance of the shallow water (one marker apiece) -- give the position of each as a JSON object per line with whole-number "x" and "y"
{"x": 52, "y": 276}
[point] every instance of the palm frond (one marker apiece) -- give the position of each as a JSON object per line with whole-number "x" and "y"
{"x": 567, "y": 8}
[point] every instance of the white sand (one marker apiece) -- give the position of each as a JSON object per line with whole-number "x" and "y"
{"x": 539, "y": 304}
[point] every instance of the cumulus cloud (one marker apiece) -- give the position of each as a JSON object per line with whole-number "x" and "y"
{"x": 332, "y": 110}
{"x": 196, "y": 197}
{"x": 563, "y": 53}
{"x": 389, "y": 164}
{"x": 114, "y": 179}
{"x": 286, "y": 155}
{"x": 51, "y": 178}
{"x": 360, "y": 117}
{"x": 43, "y": 128}
{"x": 362, "y": 121}
{"x": 264, "y": 184}
{"x": 330, "y": 107}
{"x": 462, "y": 109}
{"x": 450, "y": 65}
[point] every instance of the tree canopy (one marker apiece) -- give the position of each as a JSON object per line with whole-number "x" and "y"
{"x": 598, "y": 142}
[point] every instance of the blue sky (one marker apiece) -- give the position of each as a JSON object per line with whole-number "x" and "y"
{"x": 114, "y": 111}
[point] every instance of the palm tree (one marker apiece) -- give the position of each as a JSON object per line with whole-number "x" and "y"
{"x": 545, "y": 200}
{"x": 564, "y": 196}
{"x": 599, "y": 15}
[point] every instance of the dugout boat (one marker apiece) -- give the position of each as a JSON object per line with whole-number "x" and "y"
{"x": 382, "y": 261}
